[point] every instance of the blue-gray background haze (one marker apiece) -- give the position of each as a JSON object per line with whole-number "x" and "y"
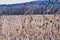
{"x": 31, "y": 7}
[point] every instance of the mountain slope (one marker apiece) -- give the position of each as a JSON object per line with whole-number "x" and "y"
{"x": 21, "y": 8}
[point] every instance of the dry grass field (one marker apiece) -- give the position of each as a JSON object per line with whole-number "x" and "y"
{"x": 30, "y": 27}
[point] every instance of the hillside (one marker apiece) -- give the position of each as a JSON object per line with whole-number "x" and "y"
{"x": 21, "y": 8}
